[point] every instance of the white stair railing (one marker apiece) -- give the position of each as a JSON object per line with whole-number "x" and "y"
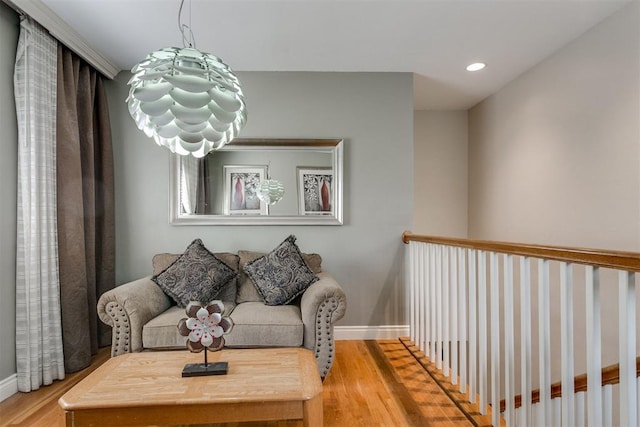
{"x": 473, "y": 303}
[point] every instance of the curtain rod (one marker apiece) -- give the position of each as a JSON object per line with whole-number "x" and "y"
{"x": 65, "y": 34}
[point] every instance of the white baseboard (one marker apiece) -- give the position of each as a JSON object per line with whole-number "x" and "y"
{"x": 8, "y": 387}
{"x": 370, "y": 332}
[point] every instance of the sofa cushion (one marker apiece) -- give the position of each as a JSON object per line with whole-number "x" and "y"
{"x": 259, "y": 325}
{"x": 227, "y": 294}
{"x": 314, "y": 261}
{"x": 247, "y": 289}
{"x": 162, "y": 332}
{"x": 197, "y": 275}
{"x": 162, "y": 261}
{"x": 282, "y": 274}
{"x": 255, "y": 325}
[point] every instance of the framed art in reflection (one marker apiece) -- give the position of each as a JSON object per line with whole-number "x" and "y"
{"x": 240, "y": 185}
{"x": 315, "y": 190}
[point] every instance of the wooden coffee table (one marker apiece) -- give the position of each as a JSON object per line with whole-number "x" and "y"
{"x": 147, "y": 388}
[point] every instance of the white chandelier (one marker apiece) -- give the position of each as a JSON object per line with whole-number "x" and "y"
{"x": 186, "y": 100}
{"x": 270, "y": 191}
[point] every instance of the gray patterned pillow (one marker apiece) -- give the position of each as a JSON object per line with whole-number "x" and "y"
{"x": 282, "y": 274}
{"x": 197, "y": 275}
{"x": 247, "y": 291}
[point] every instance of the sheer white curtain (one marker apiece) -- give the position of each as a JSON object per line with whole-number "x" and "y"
{"x": 39, "y": 354}
{"x": 189, "y": 183}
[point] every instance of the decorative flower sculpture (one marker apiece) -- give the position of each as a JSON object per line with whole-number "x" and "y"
{"x": 205, "y": 326}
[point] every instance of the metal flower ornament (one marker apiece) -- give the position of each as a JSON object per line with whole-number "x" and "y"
{"x": 205, "y": 328}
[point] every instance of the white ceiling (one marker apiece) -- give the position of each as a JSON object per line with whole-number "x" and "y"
{"x": 433, "y": 39}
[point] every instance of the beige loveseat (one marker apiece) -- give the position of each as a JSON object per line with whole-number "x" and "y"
{"x": 144, "y": 317}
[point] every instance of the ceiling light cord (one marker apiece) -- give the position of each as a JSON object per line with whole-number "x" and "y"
{"x": 188, "y": 40}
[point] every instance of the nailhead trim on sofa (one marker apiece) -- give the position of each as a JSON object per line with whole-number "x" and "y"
{"x": 120, "y": 321}
{"x": 324, "y": 334}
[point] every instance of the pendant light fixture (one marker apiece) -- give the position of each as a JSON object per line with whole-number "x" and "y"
{"x": 186, "y": 100}
{"x": 270, "y": 191}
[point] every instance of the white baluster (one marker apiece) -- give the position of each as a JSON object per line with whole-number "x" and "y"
{"x": 544, "y": 343}
{"x": 607, "y": 405}
{"x": 454, "y": 315}
{"x": 432, "y": 305}
{"x": 566, "y": 343}
{"x": 509, "y": 346}
{"x": 638, "y": 394}
{"x": 462, "y": 310}
{"x": 473, "y": 328}
{"x": 482, "y": 330}
{"x": 446, "y": 313}
{"x": 627, "y": 352}
{"x": 579, "y": 402}
{"x": 439, "y": 307}
{"x": 419, "y": 283}
{"x": 494, "y": 308}
{"x": 413, "y": 283}
{"x": 423, "y": 321}
{"x": 556, "y": 411}
{"x": 425, "y": 336}
{"x": 411, "y": 280}
{"x": 594, "y": 351}
{"x": 525, "y": 341}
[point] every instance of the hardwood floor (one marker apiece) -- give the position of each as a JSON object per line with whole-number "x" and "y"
{"x": 372, "y": 383}
{"x": 40, "y": 407}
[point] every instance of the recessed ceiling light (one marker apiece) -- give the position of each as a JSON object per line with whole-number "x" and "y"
{"x": 476, "y": 66}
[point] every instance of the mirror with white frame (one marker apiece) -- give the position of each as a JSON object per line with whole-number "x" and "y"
{"x": 222, "y": 187}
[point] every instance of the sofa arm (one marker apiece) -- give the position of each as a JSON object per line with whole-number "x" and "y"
{"x": 322, "y": 304}
{"x": 127, "y": 308}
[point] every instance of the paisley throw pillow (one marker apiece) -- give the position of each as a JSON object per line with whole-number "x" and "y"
{"x": 197, "y": 275}
{"x": 282, "y": 274}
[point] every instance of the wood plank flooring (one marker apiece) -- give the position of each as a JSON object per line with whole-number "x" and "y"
{"x": 40, "y": 407}
{"x": 372, "y": 383}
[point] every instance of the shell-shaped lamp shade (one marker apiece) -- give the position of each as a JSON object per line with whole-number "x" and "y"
{"x": 186, "y": 100}
{"x": 270, "y": 191}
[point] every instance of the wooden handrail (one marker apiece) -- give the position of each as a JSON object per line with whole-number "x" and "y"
{"x": 629, "y": 261}
{"x": 610, "y": 375}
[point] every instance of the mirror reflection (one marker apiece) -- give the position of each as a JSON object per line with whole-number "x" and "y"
{"x": 243, "y": 183}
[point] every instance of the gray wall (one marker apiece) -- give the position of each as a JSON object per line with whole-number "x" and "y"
{"x": 372, "y": 112}
{"x": 9, "y": 30}
{"x": 440, "y": 173}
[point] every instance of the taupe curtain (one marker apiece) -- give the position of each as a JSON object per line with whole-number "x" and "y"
{"x": 203, "y": 191}
{"x": 86, "y": 229}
